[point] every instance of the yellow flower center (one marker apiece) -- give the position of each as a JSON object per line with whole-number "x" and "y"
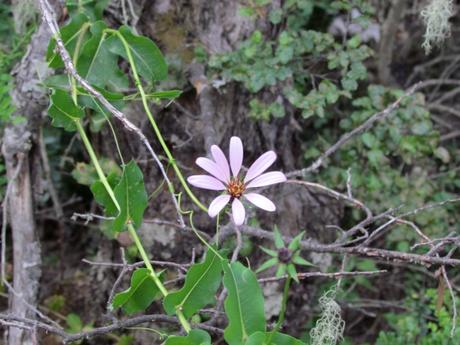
{"x": 235, "y": 187}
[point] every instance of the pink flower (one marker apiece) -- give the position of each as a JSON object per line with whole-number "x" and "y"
{"x": 233, "y": 184}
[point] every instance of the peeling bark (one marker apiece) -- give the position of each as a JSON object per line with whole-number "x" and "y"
{"x": 23, "y": 171}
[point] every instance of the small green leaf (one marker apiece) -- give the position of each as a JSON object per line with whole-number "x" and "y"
{"x": 140, "y": 294}
{"x": 74, "y": 32}
{"x": 267, "y": 264}
{"x": 298, "y": 260}
{"x": 195, "y": 337}
{"x": 201, "y": 283}
{"x": 295, "y": 243}
{"x": 102, "y": 197}
{"x": 269, "y": 251}
{"x": 281, "y": 270}
{"x": 74, "y": 323}
{"x": 270, "y": 338}
{"x": 292, "y": 272}
{"x": 63, "y": 111}
{"x": 125, "y": 340}
{"x": 148, "y": 59}
{"x": 92, "y": 8}
{"x": 279, "y": 243}
{"x": 131, "y": 196}
{"x": 244, "y": 304}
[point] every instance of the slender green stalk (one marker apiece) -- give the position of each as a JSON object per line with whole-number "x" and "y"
{"x": 96, "y": 164}
{"x": 282, "y": 314}
{"x": 76, "y": 54}
{"x": 153, "y": 122}
{"x": 146, "y": 259}
{"x": 185, "y": 324}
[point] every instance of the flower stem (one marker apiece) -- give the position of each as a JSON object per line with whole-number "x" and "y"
{"x": 282, "y": 314}
{"x": 153, "y": 122}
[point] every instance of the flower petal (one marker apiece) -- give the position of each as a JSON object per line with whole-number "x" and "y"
{"x": 212, "y": 168}
{"x": 260, "y": 165}
{"x": 238, "y": 212}
{"x": 218, "y": 204}
{"x": 267, "y": 179}
{"x": 261, "y": 201}
{"x": 221, "y": 161}
{"x": 236, "y": 155}
{"x": 206, "y": 182}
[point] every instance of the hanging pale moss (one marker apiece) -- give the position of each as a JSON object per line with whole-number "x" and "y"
{"x": 329, "y": 328}
{"x": 436, "y": 17}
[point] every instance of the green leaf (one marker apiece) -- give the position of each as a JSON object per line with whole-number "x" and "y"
{"x": 201, "y": 283}
{"x": 270, "y": 338}
{"x": 280, "y": 271}
{"x": 148, "y": 59}
{"x": 292, "y": 272}
{"x": 92, "y": 8}
{"x": 279, "y": 243}
{"x": 267, "y": 264}
{"x": 295, "y": 243}
{"x": 140, "y": 294}
{"x": 71, "y": 34}
{"x": 97, "y": 64}
{"x": 57, "y": 81}
{"x": 195, "y": 337}
{"x": 298, "y": 260}
{"x": 269, "y": 251}
{"x": 102, "y": 197}
{"x": 244, "y": 304}
{"x": 125, "y": 340}
{"x": 63, "y": 111}
{"x": 131, "y": 196}
{"x": 74, "y": 323}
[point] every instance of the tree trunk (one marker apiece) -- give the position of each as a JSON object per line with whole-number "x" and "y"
{"x": 23, "y": 172}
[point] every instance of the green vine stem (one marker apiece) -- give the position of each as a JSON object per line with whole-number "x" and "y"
{"x": 154, "y": 124}
{"x": 185, "y": 324}
{"x": 282, "y": 314}
{"x": 96, "y": 164}
{"x": 132, "y": 231}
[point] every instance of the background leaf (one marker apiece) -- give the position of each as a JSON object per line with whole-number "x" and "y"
{"x": 92, "y": 8}
{"x": 63, "y": 111}
{"x": 101, "y": 195}
{"x": 195, "y": 337}
{"x": 140, "y": 294}
{"x": 97, "y": 64}
{"x": 148, "y": 59}
{"x": 76, "y": 30}
{"x": 131, "y": 196}
{"x": 201, "y": 283}
{"x": 244, "y": 304}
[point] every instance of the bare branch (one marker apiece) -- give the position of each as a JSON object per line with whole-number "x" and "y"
{"x": 25, "y": 323}
{"x": 305, "y": 275}
{"x": 358, "y": 130}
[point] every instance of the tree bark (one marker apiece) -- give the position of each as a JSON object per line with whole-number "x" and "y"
{"x": 389, "y": 29}
{"x": 23, "y": 172}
